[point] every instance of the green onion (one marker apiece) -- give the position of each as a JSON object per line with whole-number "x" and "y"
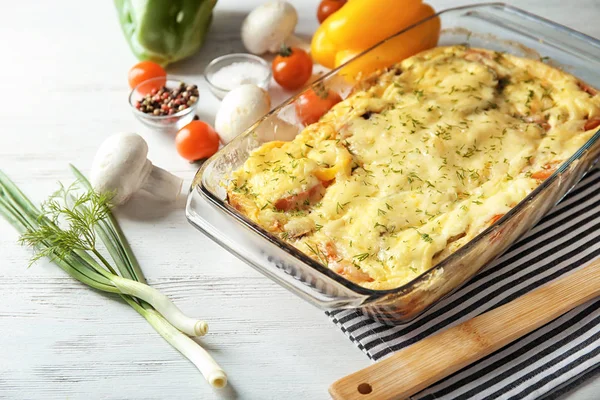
{"x": 162, "y": 304}
{"x": 65, "y": 230}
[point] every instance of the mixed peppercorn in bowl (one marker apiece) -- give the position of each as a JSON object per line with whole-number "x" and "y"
{"x": 164, "y": 103}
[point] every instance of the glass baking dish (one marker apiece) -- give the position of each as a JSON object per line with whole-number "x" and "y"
{"x": 494, "y": 26}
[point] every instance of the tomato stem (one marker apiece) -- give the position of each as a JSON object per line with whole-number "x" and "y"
{"x": 321, "y": 91}
{"x": 285, "y": 51}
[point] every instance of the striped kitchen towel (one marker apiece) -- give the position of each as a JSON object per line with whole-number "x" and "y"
{"x": 550, "y": 360}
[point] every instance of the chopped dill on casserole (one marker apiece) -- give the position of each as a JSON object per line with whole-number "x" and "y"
{"x": 417, "y": 161}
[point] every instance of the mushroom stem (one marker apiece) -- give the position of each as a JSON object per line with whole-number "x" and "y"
{"x": 163, "y": 184}
{"x": 297, "y": 41}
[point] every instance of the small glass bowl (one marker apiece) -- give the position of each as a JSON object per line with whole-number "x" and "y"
{"x": 172, "y": 122}
{"x": 224, "y": 61}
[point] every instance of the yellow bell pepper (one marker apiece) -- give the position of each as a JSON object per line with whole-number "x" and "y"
{"x": 343, "y": 161}
{"x": 360, "y": 24}
{"x": 421, "y": 37}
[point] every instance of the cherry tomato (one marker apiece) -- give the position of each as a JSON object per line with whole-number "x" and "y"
{"x": 328, "y": 7}
{"x": 591, "y": 124}
{"x": 145, "y": 70}
{"x": 543, "y": 174}
{"x": 197, "y": 140}
{"x": 546, "y": 170}
{"x": 495, "y": 218}
{"x": 292, "y": 68}
{"x": 587, "y": 88}
{"x": 311, "y": 105}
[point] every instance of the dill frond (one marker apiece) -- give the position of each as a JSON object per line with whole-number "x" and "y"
{"x": 67, "y": 222}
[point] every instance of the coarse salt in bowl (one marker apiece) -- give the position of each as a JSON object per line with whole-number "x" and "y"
{"x": 225, "y": 73}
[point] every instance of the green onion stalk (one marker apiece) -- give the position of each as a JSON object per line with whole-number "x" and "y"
{"x": 66, "y": 228}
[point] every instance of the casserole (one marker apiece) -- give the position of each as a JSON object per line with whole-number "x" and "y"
{"x": 417, "y": 162}
{"x": 492, "y": 26}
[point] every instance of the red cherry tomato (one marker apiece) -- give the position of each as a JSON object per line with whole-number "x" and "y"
{"x": 196, "y": 140}
{"x": 145, "y": 70}
{"x": 292, "y": 68}
{"x": 591, "y": 124}
{"x": 328, "y": 7}
{"x": 311, "y": 105}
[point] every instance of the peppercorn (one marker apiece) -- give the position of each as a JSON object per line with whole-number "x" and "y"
{"x": 166, "y": 101}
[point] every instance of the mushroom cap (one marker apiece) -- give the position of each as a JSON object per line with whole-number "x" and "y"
{"x": 239, "y": 109}
{"x": 268, "y": 26}
{"x": 121, "y": 166}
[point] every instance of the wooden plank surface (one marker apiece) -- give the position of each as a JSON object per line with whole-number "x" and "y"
{"x": 64, "y": 67}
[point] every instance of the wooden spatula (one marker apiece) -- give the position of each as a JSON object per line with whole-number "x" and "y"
{"x": 413, "y": 369}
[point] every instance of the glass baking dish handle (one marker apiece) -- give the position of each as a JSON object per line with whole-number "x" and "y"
{"x": 556, "y": 39}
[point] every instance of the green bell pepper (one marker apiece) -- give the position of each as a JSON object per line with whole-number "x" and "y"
{"x": 165, "y": 31}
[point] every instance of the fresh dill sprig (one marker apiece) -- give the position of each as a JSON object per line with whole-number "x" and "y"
{"x": 361, "y": 256}
{"x": 74, "y": 215}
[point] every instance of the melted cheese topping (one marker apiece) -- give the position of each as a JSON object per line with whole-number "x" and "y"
{"x": 407, "y": 170}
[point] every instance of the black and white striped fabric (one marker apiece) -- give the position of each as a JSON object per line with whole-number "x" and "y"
{"x": 548, "y": 361}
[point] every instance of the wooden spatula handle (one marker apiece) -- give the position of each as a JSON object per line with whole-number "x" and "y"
{"x": 413, "y": 369}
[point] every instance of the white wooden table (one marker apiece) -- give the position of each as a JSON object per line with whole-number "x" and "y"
{"x": 64, "y": 90}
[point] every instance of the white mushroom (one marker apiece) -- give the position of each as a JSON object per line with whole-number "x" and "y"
{"x": 121, "y": 166}
{"x": 268, "y": 26}
{"x": 239, "y": 109}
